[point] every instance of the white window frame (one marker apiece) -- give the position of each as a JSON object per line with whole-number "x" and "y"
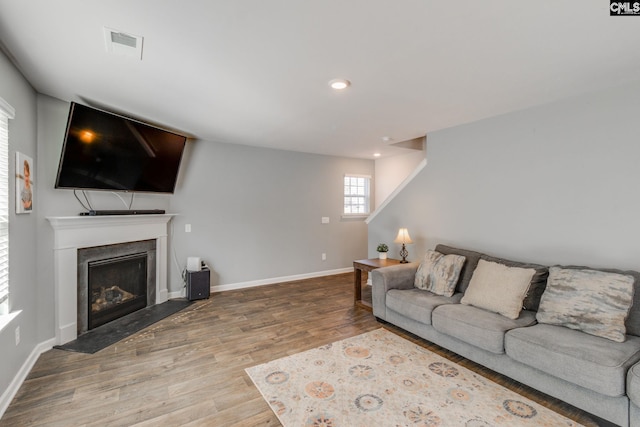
{"x": 7, "y": 112}
{"x": 348, "y": 193}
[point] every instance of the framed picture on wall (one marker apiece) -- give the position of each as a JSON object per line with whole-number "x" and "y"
{"x": 24, "y": 183}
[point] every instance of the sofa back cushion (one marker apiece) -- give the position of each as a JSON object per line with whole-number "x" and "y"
{"x": 538, "y": 282}
{"x": 471, "y": 261}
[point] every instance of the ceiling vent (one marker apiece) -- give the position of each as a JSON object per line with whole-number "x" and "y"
{"x": 123, "y": 43}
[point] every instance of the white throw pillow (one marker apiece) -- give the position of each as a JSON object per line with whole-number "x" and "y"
{"x": 498, "y": 288}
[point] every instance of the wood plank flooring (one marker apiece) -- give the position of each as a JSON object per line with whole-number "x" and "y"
{"x": 188, "y": 369}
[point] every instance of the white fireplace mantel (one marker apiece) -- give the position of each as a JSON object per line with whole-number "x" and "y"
{"x": 74, "y": 232}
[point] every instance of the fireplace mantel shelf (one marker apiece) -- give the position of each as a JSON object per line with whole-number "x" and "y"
{"x": 59, "y": 222}
{"x": 74, "y": 232}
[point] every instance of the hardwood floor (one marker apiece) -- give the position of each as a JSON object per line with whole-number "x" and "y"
{"x": 188, "y": 369}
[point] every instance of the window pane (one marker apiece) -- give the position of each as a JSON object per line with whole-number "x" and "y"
{"x": 356, "y": 195}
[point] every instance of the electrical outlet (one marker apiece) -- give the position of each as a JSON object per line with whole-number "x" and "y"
{"x": 324, "y": 256}
{"x": 17, "y": 335}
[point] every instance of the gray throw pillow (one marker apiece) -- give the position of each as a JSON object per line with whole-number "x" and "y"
{"x": 439, "y": 273}
{"x": 592, "y": 301}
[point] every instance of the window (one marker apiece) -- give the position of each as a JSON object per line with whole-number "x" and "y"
{"x": 356, "y": 195}
{"x": 6, "y": 113}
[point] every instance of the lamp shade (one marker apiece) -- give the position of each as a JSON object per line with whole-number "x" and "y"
{"x": 403, "y": 237}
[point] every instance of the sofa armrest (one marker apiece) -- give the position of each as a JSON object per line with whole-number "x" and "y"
{"x": 400, "y": 276}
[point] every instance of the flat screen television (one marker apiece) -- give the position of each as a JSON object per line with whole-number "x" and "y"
{"x": 106, "y": 151}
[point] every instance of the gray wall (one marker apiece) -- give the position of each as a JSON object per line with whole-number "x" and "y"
{"x": 553, "y": 184}
{"x": 22, "y": 229}
{"x": 256, "y": 213}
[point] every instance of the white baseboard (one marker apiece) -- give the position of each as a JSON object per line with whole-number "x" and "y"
{"x": 253, "y": 283}
{"x": 241, "y": 285}
{"x": 13, "y": 388}
{"x": 176, "y": 294}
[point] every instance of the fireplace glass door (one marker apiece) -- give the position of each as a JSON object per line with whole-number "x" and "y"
{"x": 117, "y": 287}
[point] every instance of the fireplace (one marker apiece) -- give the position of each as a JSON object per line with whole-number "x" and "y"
{"x": 73, "y": 233}
{"x": 117, "y": 287}
{"x": 113, "y": 281}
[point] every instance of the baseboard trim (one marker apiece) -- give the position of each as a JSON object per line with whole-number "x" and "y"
{"x": 13, "y": 388}
{"x": 271, "y": 281}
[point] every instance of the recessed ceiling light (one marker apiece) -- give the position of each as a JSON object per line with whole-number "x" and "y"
{"x": 376, "y": 154}
{"x": 387, "y": 139}
{"x": 339, "y": 84}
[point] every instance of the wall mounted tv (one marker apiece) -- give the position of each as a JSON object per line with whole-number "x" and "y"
{"x": 106, "y": 151}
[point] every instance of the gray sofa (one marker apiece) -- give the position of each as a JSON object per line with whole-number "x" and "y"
{"x": 633, "y": 391}
{"x": 593, "y": 373}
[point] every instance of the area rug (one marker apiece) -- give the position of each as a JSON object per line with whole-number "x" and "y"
{"x": 119, "y": 329}
{"x": 381, "y": 379}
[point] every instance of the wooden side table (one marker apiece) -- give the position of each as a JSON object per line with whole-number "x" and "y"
{"x": 366, "y": 265}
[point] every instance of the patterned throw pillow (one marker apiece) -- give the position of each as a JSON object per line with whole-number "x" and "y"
{"x": 592, "y": 301}
{"x": 498, "y": 288}
{"x": 439, "y": 273}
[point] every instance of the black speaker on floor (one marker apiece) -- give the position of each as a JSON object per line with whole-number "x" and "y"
{"x": 198, "y": 284}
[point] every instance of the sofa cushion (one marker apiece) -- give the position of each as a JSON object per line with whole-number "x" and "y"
{"x": 591, "y": 301}
{"x": 439, "y": 273}
{"x": 633, "y": 384}
{"x": 498, "y": 288}
{"x": 470, "y": 264}
{"x": 417, "y": 304}
{"x": 592, "y": 362}
{"x": 476, "y": 326}
{"x": 538, "y": 281}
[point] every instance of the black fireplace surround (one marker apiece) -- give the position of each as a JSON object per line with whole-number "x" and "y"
{"x": 115, "y": 280}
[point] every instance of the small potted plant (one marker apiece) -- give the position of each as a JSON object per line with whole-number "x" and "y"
{"x": 382, "y": 250}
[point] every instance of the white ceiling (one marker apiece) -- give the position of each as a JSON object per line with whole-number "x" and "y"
{"x": 255, "y": 72}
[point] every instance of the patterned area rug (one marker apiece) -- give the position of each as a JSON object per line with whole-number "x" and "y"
{"x": 381, "y": 379}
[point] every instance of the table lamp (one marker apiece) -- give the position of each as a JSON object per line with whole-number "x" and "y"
{"x": 405, "y": 239}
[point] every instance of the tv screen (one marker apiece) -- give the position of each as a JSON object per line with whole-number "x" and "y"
{"x": 105, "y": 151}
